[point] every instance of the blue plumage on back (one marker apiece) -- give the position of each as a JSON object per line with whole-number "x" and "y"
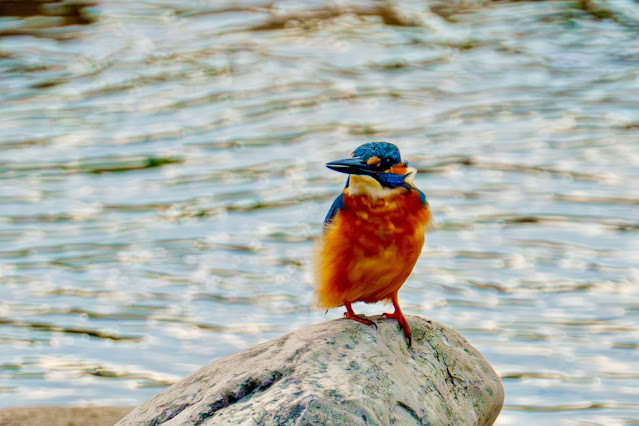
{"x": 422, "y": 197}
{"x": 337, "y": 205}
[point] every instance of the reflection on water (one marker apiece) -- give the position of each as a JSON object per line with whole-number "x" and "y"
{"x": 162, "y": 180}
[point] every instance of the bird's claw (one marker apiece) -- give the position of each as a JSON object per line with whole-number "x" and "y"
{"x": 403, "y": 324}
{"x": 360, "y": 318}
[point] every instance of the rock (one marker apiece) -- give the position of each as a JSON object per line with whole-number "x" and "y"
{"x": 338, "y": 372}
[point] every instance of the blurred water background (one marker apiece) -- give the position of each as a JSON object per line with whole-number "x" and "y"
{"x": 162, "y": 180}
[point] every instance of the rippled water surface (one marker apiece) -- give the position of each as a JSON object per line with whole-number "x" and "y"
{"x": 162, "y": 181}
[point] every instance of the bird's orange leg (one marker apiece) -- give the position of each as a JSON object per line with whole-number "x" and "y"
{"x": 400, "y": 319}
{"x": 350, "y": 314}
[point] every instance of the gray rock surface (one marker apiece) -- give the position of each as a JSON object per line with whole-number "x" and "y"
{"x": 338, "y": 372}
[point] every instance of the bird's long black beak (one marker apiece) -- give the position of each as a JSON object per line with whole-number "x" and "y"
{"x": 352, "y": 166}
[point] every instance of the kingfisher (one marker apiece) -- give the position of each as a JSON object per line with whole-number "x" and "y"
{"x": 373, "y": 233}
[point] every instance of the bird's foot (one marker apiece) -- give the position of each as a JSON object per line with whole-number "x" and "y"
{"x": 403, "y": 324}
{"x": 359, "y": 318}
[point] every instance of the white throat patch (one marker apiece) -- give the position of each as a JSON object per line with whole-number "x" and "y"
{"x": 366, "y": 185}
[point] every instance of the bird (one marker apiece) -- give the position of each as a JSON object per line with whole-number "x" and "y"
{"x": 373, "y": 233}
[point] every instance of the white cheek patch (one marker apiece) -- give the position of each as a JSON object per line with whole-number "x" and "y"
{"x": 410, "y": 175}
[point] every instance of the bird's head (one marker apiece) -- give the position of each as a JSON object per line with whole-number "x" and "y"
{"x": 378, "y": 162}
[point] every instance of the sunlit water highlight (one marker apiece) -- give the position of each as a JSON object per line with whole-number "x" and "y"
{"x": 162, "y": 180}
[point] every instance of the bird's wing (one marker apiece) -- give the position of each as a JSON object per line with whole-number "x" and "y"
{"x": 430, "y": 225}
{"x": 422, "y": 197}
{"x": 338, "y": 205}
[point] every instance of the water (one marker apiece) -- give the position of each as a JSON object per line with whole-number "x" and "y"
{"x": 162, "y": 181}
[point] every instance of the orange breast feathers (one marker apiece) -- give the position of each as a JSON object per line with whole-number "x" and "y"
{"x": 370, "y": 248}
